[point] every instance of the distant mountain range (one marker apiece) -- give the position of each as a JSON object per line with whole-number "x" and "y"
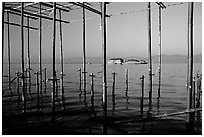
{"x": 98, "y": 60}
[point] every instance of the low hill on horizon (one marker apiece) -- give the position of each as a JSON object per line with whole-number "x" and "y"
{"x": 98, "y": 60}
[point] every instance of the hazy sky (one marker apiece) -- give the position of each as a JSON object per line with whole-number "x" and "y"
{"x": 126, "y": 34}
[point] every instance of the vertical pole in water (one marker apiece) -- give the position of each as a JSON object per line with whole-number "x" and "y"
{"x": 28, "y": 57}
{"x": 79, "y": 79}
{"x": 17, "y": 87}
{"x": 159, "y": 51}
{"x": 84, "y": 52}
{"x": 37, "y": 87}
{"x": 61, "y": 60}
{"x": 45, "y": 75}
{"x": 92, "y": 86}
{"x": 149, "y": 53}
{"x": 142, "y": 95}
{"x": 103, "y": 23}
{"x": 113, "y": 90}
{"x": 193, "y": 102}
{"x": 53, "y": 63}
{"x": 40, "y": 48}
{"x": 126, "y": 75}
{"x": 3, "y": 5}
{"x": 9, "y": 54}
{"x": 22, "y": 56}
{"x": 189, "y": 119}
{"x": 198, "y": 91}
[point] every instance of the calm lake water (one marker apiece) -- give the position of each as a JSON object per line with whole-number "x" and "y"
{"x": 126, "y": 103}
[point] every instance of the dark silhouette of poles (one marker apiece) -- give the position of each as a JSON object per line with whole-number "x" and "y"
{"x": 9, "y": 54}
{"x": 84, "y": 51}
{"x": 142, "y": 95}
{"x": 40, "y": 47}
{"x": 149, "y": 52}
{"x": 53, "y": 60}
{"x": 189, "y": 106}
{"x": 22, "y": 56}
{"x": 61, "y": 61}
{"x": 103, "y": 24}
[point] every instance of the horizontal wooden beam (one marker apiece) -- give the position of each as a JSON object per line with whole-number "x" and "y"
{"x": 15, "y": 13}
{"x": 36, "y": 15}
{"x": 88, "y": 8}
{"x": 19, "y": 25}
{"x": 161, "y": 5}
{"x": 57, "y": 7}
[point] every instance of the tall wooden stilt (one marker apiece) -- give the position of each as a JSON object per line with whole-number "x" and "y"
{"x": 84, "y": 52}
{"x": 53, "y": 60}
{"x": 189, "y": 119}
{"x": 28, "y": 56}
{"x": 103, "y": 23}
{"x": 149, "y": 53}
{"x": 61, "y": 61}
{"x": 22, "y": 56}
{"x": 9, "y": 53}
{"x": 159, "y": 51}
{"x": 40, "y": 48}
{"x": 3, "y": 6}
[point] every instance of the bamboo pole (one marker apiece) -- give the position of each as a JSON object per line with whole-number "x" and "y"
{"x": 198, "y": 91}
{"x": 189, "y": 119}
{"x": 3, "y": 6}
{"x": 149, "y": 53}
{"x": 103, "y": 23}
{"x": 40, "y": 47}
{"x": 37, "y": 88}
{"x": 45, "y": 78}
{"x": 142, "y": 95}
{"x": 9, "y": 54}
{"x": 126, "y": 76}
{"x": 80, "y": 80}
{"x": 92, "y": 87}
{"x": 113, "y": 87}
{"x": 53, "y": 57}
{"x": 84, "y": 51}
{"x": 17, "y": 86}
{"x": 159, "y": 51}
{"x": 193, "y": 94}
{"x": 61, "y": 61}
{"x": 28, "y": 56}
{"x": 22, "y": 56}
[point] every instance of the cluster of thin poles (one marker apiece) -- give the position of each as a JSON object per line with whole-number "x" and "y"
{"x": 103, "y": 15}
